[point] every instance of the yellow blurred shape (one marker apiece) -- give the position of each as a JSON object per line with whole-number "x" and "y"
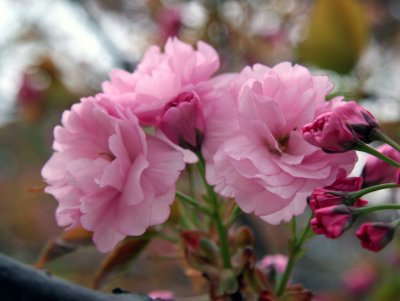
{"x": 337, "y": 34}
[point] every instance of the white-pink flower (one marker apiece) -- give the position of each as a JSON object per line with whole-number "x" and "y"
{"x": 277, "y": 262}
{"x": 253, "y": 146}
{"x": 107, "y": 174}
{"x": 166, "y": 89}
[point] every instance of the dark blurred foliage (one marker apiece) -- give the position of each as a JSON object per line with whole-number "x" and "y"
{"x": 54, "y": 52}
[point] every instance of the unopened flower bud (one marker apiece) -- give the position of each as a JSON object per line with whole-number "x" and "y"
{"x": 332, "y": 221}
{"x": 244, "y": 237}
{"x": 182, "y": 120}
{"x": 398, "y": 176}
{"x": 339, "y": 131}
{"x": 337, "y": 194}
{"x": 375, "y": 236}
{"x": 346, "y": 184}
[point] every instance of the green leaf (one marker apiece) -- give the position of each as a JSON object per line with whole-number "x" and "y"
{"x": 229, "y": 283}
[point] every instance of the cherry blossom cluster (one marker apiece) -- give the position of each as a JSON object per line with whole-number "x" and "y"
{"x": 267, "y": 136}
{"x": 336, "y": 207}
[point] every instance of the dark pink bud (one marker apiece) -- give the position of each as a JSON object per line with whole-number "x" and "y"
{"x": 169, "y": 23}
{"x": 346, "y": 184}
{"x": 375, "y": 236}
{"x": 338, "y": 131}
{"x": 332, "y": 221}
{"x": 321, "y": 198}
{"x": 337, "y": 194}
{"x": 358, "y": 119}
{"x": 182, "y": 120}
{"x": 33, "y": 86}
{"x": 377, "y": 171}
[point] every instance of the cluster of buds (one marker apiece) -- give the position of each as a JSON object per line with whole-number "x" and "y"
{"x": 336, "y": 207}
{"x": 336, "y": 211}
{"x": 332, "y": 207}
{"x": 247, "y": 277}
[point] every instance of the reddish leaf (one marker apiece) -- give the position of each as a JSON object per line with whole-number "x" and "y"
{"x": 297, "y": 293}
{"x": 35, "y": 189}
{"x": 65, "y": 243}
{"x": 191, "y": 239}
{"x": 126, "y": 251}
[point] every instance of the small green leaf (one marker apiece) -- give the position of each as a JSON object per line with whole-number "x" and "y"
{"x": 229, "y": 283}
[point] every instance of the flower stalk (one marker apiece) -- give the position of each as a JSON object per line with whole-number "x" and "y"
{"x": 293, "y": 256}
{"x": 356, "y": 195}
{"x": 380, "y": 136}
{"x": 372, "y": 151}
{"x": 365, "y": 210}
{"x": 191, "y": 201}
{"x": 216, "y": 215}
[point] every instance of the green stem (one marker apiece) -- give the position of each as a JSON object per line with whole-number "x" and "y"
{"x": 231, "y": 219}
{"x": 186, "y": 222}
{"x": 189, "y": 200}
{"x": 356, "y": 195}
{"x": 215, "y": 203}
{"x": 381, "y": 136}
{"x": 192, "y": 186}
{"x": 166, "y": 237}
{"x": 293, "y": 254}
{"x": 223, "y": 238}
{"x": 293, "y": 228}
{"x": 372, "y": 151}
{"x": 201, "y": 166}
{"x": 365, "y": 210}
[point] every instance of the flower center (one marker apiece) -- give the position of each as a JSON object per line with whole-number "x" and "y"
{"x": 283, "y": 143}
{"x": 108, "y": 156}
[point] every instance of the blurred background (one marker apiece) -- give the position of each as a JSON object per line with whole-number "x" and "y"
{"x": 52, "y": 52}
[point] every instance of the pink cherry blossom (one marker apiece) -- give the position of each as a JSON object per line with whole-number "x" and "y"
{"x": 253, "y": 146}
{"x": 107, "y": 175}
{"x": 377, "y": 171}
{"x": 157, "y": 90}
{"x": 277, "y": 262}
